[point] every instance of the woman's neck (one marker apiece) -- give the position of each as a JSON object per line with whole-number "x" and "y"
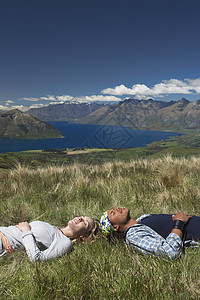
{"x": 67, "y": 232}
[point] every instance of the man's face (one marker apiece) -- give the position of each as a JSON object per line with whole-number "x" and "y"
{"x": 119, "y": 216}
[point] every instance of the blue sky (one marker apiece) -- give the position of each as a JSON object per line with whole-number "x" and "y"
{"x": 54, "y": 51}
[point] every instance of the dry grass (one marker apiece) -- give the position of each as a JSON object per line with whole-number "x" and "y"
{"x": 100, "y": 270}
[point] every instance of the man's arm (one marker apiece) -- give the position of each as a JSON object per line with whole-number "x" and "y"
{"x": 146, "y": 240}
{"x": 180, "y": 216}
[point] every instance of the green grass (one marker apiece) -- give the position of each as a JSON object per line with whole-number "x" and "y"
{"x": 100, "y": 270}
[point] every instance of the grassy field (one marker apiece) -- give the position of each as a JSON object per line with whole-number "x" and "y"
{"x": 100, "y": 270}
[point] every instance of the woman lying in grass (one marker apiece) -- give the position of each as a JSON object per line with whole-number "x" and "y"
{"x": 56, "y": 242}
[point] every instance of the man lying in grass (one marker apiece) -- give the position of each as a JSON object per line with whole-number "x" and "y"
{"x": 56, "y": 242}
{"x": 158, "y": 234}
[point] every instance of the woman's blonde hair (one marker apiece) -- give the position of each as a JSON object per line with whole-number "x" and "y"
{"x": 93, "y": 233}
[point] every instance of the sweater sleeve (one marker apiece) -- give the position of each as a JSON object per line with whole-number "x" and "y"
{"x": 58, "y": 247}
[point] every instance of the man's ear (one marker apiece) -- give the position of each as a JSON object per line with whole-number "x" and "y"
{"x": 116, "y": 227}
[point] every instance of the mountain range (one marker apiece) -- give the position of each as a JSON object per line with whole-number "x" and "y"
{"x": 137, "y": 114}
{"x": 15, "y": 124}
{"x": 140, "y": 114}
{"x": 64, "y": 112}
{"x": 148, "y": 114}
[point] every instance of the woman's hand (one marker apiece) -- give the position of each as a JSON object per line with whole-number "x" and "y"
{"x": 23, "y": 226}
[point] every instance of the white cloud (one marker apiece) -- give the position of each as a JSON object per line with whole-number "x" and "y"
{"x": 95, "y": 98}
{"x": 53, "y": 103}
{"x": 30, "y": 99}
{"x": 3, "y": 107}
{"x": 37, "y": 105}
{"x": 20, "y": 107}
{"x": 172, "y": 86}
{"x": 118, "y": 90}
{"x": 49, "y": 98}
{"x": 195, "y": 84}
{"x": 8, "y": 102}
{"x": 64, "y": 98}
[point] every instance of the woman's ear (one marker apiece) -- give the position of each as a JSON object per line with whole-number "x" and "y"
{"x": 83, "y": 238}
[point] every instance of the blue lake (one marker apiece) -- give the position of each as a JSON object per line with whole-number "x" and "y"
{"x": 88, "y": 136}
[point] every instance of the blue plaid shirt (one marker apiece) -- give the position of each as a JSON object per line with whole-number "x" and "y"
{"x": 146, "y": 240}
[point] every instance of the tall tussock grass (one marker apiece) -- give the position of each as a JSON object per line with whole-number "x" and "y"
{"x": 100, "y": 270}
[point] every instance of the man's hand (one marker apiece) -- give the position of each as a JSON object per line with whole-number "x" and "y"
{"x": 181, "y": 216}
{"x": 23, "y": 226}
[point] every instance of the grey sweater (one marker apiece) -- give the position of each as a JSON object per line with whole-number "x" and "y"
{"x": 41, "y": 235}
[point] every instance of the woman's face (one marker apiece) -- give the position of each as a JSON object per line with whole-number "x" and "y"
{"x": 81, "y": 226}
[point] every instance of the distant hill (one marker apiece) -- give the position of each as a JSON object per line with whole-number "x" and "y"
{"x": 15, "y": 124}
{"x": 2, "y": 112}
{"x": 148, "y": 114}
{"x": 64, "y": 112}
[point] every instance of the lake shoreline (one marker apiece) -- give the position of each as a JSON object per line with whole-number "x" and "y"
{"x": 89, "y": 136}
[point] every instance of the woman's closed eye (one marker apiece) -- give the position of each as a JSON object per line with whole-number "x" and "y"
{"x": 85, "y": 221}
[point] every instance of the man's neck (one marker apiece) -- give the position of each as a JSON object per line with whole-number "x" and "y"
{"x": 130, "y": 222}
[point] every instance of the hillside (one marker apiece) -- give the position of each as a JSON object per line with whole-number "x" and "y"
{"x": 148, "y": 114}
{"x": 15, "y": 124}
{"x": 64, "y": 112}
{"x": 2, "y": 112}
{"x": 100, "y": 269}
